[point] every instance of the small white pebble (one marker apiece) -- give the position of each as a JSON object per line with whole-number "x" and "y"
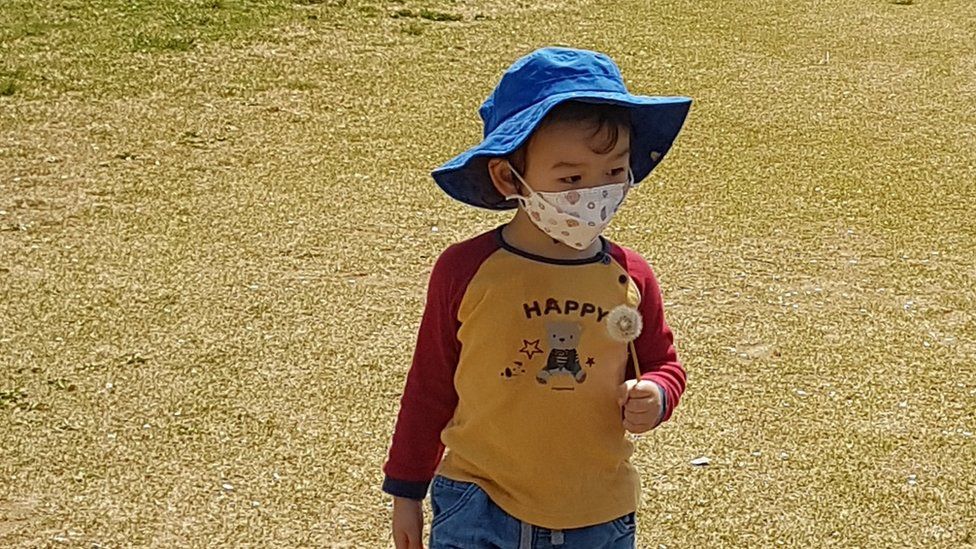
{"x": 801, "y": 393}
{"x": 912, "y": 480}
{"x": 227, "y": 486}
{"x": 903, "y": 404}
{"x": 701, "y": 461}
{"x": 784, "y": 456}
{"x": 757, "y": 453}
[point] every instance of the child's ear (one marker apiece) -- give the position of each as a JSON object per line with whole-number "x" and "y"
{"x": 501, "y": 177}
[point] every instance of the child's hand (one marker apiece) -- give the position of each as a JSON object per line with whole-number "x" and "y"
{"x": 641, "y": 400}
{"x": 408, "y": 523}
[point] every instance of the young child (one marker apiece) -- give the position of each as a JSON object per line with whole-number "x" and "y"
{"x": 532, "y": 333}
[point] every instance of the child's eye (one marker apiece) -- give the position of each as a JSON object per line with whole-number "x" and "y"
{"x": 616, "y": 171}
{"x": 571, "y": 180}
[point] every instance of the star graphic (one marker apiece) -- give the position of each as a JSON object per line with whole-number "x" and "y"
{"x": 530, "y": 348}
{"x": 590, "y": 361}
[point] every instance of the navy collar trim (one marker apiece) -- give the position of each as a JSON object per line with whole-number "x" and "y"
{"x": 603, "y": 256}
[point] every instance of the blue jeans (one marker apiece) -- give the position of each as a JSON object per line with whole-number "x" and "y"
{"x": 466, "y": 518}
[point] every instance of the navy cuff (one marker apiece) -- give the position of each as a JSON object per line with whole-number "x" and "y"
{"x": 664, "y": 402}
{"x": 405, "y": 488}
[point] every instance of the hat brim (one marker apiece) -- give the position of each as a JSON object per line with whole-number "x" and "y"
{"x": 655, "y": 122}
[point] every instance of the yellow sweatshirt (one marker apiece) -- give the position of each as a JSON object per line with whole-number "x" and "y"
{"x": 516, "y": 375}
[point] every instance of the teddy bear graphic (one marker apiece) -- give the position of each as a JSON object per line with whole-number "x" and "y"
{"x": 563, "y": 359}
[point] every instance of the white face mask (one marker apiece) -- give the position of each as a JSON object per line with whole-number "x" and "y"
{"x": 575, "y": 217}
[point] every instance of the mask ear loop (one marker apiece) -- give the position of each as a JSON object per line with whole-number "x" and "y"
{"x": 627, "y": 187}
{"x": 518, "y": 197}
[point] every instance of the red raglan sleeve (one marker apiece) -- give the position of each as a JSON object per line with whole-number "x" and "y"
{"x": 656, "y": 354}
{"x": 429, "y": 397}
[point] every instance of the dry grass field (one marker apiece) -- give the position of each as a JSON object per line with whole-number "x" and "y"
{"x": 217, "y": 222}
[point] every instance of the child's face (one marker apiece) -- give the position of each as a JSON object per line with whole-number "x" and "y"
{"x": 560, "y": 157}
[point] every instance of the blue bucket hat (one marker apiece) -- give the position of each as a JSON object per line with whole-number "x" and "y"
{"x": 529, "y": 89}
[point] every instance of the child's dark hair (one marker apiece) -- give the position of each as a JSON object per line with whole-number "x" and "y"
{"x": 599, "y": 115}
